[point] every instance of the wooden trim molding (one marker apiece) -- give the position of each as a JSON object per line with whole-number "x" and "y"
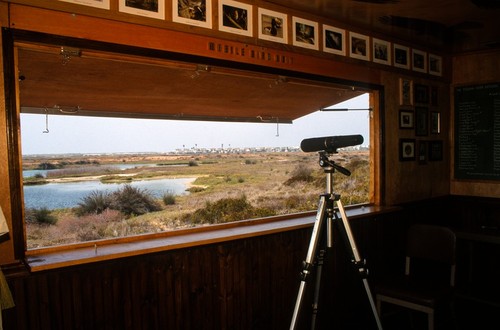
{"x": 51, "y": 258}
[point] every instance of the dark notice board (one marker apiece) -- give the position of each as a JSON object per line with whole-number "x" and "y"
{"x": 477, "y": 132}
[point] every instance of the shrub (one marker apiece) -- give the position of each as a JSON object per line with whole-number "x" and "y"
{"x": 227, "y": 210}
{"x": 133, "y": 201}
{"x": 43, "y": 216}
{"x": 94, "y": 203}
{"x": 128, "y": 200}
{"x": 169, "y": 198}
{"x": 193, "y": 163}
{"x": 300, "y": 173}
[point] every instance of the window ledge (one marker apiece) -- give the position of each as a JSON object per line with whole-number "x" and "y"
{"x": 89, "y": 252}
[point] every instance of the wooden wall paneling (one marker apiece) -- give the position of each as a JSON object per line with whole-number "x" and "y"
{"x": 248, "y": 283}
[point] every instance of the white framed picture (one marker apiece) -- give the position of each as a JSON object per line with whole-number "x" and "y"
{"x": 435, "y": 65}
{"x": 152, "y": 9}
{"x": 419, "y": 60}
{"x": 104, "y": 4}
{"x": 193, "y": 12}
{"x": 305, "y": 33}
{"x": 334, "y": 40}
{"x": 401, "y": 56}
{"x": 273, "y": 26}
{"x": 381, "y": 50}
{"x": 359, "y": 46}
{"x": 235, "y": 17}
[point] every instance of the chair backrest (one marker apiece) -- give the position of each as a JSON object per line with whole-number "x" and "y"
{"x": 434, "y": 243}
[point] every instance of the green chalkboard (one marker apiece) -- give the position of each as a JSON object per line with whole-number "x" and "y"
{"x": 477, "y": 132}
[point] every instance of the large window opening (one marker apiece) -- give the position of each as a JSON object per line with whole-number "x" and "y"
{"x": 90, "y": 177}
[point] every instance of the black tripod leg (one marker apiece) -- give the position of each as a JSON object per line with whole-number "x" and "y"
{"x": 357, "y": 260}
{"x": 317, "y": 289}
{"x": 308, "y": 262}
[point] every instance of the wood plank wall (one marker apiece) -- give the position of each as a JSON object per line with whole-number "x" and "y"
{"x": 242, "y": 284}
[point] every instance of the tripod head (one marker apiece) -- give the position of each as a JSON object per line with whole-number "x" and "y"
{"x": 329, "y": 165}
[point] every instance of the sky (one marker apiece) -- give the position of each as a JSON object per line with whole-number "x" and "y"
{"x": 77, "y": 134}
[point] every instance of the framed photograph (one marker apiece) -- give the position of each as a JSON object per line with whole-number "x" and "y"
{"x": 333, "y": 40}
{"x": 381, "y": 51}
{"x": 152, "y": 9}
{"x": 193, "y": 12}
{"x": 406, "y": 149}
{"x": 435, "y": 150}
{"x": 405, "y": 91}
{"x": 104, "y": 4}
{"x": 401, "y": 56}
{"x": 422, "y": 152}
{"x": 273, "y": 26}
{"x": 419, "y": 61}
{"x": 359, "y": 46}
{"x": 406, "y": 119}
{"x": 435, "y": 65}
{"x": 421, "y": 94}
{"x": 421, "y": 121}
{"x": 235, "y": 17}
{"x": 435, "y": 122}
{"x": 305, "y": 33}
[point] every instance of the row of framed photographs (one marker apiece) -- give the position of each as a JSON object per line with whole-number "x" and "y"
{"x": 236, "y": 17}
{"x": 420, "y": 121}
{"x": 411, "y": 150}
{"x": 410, "y": 94}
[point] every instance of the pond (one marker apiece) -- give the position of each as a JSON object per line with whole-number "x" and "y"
{"x": 32, "y": 173}
{"x": 65, "y": 195}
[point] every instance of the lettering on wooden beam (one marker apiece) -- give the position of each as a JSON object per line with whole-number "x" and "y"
{"x": 249, "y": 53}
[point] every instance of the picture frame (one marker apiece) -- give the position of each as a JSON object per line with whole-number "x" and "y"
{"x": 305, "y": 33}
{"x": 359, "y": 46}
{"x": 143, "y": 8}
{"x": 435, "y": 150}
{"x": 406, "y": 119}
{"x": 405, "y": 91}
{"x": 182, "y": 12}
{"x": 422, "y": 152}
{"x": 273, "y": 25}
{"x": 419, "y": 61}
{"x": 103, "y": 4}
{"x": 435, "y": 122}
{"x": 381, "y": 51}
{"x": 401, "y": 56}
{"x": 334, "y": 40}
{"x": 406, "y": 149}
{"x": 421, "y": 121}
{"x": 435, "y": 65}
{"x": 421, "y": 94}
{"x": 235, "y": 17}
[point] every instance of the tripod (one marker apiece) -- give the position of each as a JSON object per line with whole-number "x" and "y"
{"x": 325, "y": 216}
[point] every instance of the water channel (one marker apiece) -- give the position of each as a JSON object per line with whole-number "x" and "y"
{"x": 69, "y": 194}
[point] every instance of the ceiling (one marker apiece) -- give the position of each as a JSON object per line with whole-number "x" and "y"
{"x": 456, "y": 25}
{"x": 104, "y": 84}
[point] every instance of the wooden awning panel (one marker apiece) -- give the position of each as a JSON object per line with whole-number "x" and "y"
{"x": 99, "y": 84}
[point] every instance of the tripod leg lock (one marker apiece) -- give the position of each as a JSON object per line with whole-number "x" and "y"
{"x": 361, "y": 266}
{"x": 306, "y": 270}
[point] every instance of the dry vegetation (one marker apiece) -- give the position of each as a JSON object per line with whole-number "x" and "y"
{"x": 228, "y": 187}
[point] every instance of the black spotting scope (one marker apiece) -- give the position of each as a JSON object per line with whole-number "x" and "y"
{"x": 330, "y": 143}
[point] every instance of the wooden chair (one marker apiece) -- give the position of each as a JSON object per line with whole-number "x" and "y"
{"x": 430, "y": 252}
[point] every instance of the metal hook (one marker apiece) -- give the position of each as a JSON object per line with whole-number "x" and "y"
{"x": 46, "y": 121}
